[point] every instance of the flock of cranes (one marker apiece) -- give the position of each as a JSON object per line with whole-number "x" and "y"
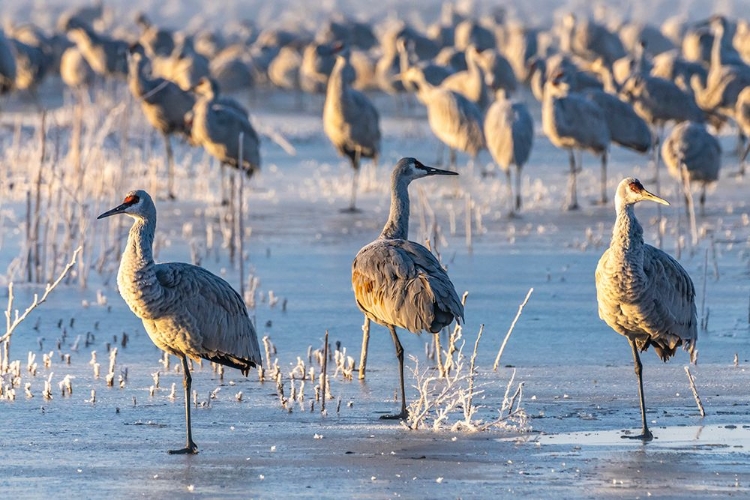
{"x": 595, "y": 88}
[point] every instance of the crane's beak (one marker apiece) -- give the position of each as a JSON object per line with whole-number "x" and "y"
{"x": 117, "y": 210}
{"x": 651, "y": 196}
{"x": 437, "y": 171}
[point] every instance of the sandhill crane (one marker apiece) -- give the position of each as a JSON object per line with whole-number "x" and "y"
{"x": 498, "y": 73}
{"x": 433, "y": 72}
{"x": 509, "y": 132}
{"x": 454, "y": 119}
{"x": 659, "y": 101}
{"x": 106, "y": 56}
{"x": 156, "y": 41}
{"x": 470, "y": 33}
{"x": 163, "y": 102}
{"x": 691, "y": 145}
{"x": 470, "y": 83}
{"x": 32, "y": 64}
{"x": 185, "y": 66}
{"x": 637, "y": 62}
{"x": 7, "y": 64}
{"x": 186, "y": 310}
{"x": 318, "y": 60}
{"x": 350, "y": 120}
{"x": 643, "y": 293}
{"x": 589, "y": 40}
{"x": 626, "y": 128}
{"x": 742, "y": 117}
{"x": 217, "y": 128}
{"x": 85, "y": 14}
{"x": 75, "y": 72}
{"x": 283, "y": 71}
{"x": 571, "y": 121}
{"x": 633, "y": 33}
{"x": 541, "y": 70}
{"x": 399, "y": 283}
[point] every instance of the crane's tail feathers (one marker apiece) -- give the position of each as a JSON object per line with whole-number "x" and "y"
{"x": 243, "y": 365}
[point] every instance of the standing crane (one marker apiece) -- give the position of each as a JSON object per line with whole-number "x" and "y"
{"x": 643, "y": 293}
{"x": 163, "y": 102}
{"x": 399, "y": 283}
{"x": 106, "y": 56}
{"x": 187, "y": 311}
{"x": 454, "y": 119}
{"x": 509, "y": 131}
{"x": 350, "y": 120}
{"x": 217, "y": 127}
{"x": 571, "y": 121}
{"x": 470, "y": 83}
{"x": 692, "y": 146}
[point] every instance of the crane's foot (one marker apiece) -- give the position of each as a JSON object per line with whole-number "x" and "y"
{"x": 398, "y": 416}
{"x": 646, "y": 436}
{"x": 599, "y": 203}
{"x": 171, "y": 197}
{"x": 350, "y": 210}
{"x": 735, "y": 175}
{"x": 512, "y": 214}
{"x": 573, "y": 206}
{"x": 191, "y": 449}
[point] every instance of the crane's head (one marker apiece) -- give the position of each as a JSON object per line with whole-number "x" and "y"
{"x": 409, "y": 169}
{"x": 630, "y": 191}
{"x": 137, "y": 204}
{"x": 206, "y": 87}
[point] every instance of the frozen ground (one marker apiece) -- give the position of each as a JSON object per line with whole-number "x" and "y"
{"x": 579, "y": 388}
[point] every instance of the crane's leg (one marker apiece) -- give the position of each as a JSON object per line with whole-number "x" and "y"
{"x": 646, "y": 434}
{"x": 703, "y": 200}
{"x": 743, "y": 157}
{"x": 452, "y": 158}
{"x": 573, "y": 202}
{"x": 510, "y": 191}
{"x": 190, "y": 448}
{"x": 603, "y": 199}
{"x": 170, "y": 167}
{"x": 400, "y": 356}
{"x": 519, "y": 201}
{"x": 365, "y": 345}
{"x": 355, "y": 178}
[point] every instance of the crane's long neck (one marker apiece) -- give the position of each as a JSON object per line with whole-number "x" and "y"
{"x": 715, "y": 62}
{"x": 336, "y": 82}
{"x": 627, "y": 235}
{"x": 397, "y": 227}
{"x": 137, "y": 276}
{"x": 139, "y": 84}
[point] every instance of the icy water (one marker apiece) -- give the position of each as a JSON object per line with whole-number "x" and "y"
{"x": 579, "y": 390}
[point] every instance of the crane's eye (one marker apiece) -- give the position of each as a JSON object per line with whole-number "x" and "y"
{"x": 131, "y": 200}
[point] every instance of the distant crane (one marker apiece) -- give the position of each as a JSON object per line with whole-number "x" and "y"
{"x": 217, "y": 128}
{"x": 470, "y": 83}
{"x": 163, "y": 102}
{"x": 186, "y": 310}
{"x": 691, "y": 145}
{"x": 399, "y": 283}
{"x": 106, "y": 56}
{"x": 571, "y": 121}
{"x": 350, "y": 120}
{"x": 643, "y": 293}
{"x": 455, "y": 120}
{"x": 509, "y": 131}
{"x": 742, "y": 117}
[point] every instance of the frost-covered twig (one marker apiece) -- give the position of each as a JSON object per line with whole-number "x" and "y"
{"x": 510, "y": 330}
{"x": 12, "y": 321}
{"x": 695, "y": 392}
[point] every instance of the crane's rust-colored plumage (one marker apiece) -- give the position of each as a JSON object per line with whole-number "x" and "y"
{"x": 399, "y": 283}
{"x": 643, "y": 293}
{"x": 186, "y": 310}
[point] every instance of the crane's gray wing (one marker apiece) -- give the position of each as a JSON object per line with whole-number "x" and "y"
{"x": 577, "y": 117}
{"x": 400, "y": 283}
{"x": 363, "y": 120}
{"x": 213, "y": 309}
{"x": 673, "y": 317}
{"x": 523, "y": 133}
{"x": 456, "y": 121}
